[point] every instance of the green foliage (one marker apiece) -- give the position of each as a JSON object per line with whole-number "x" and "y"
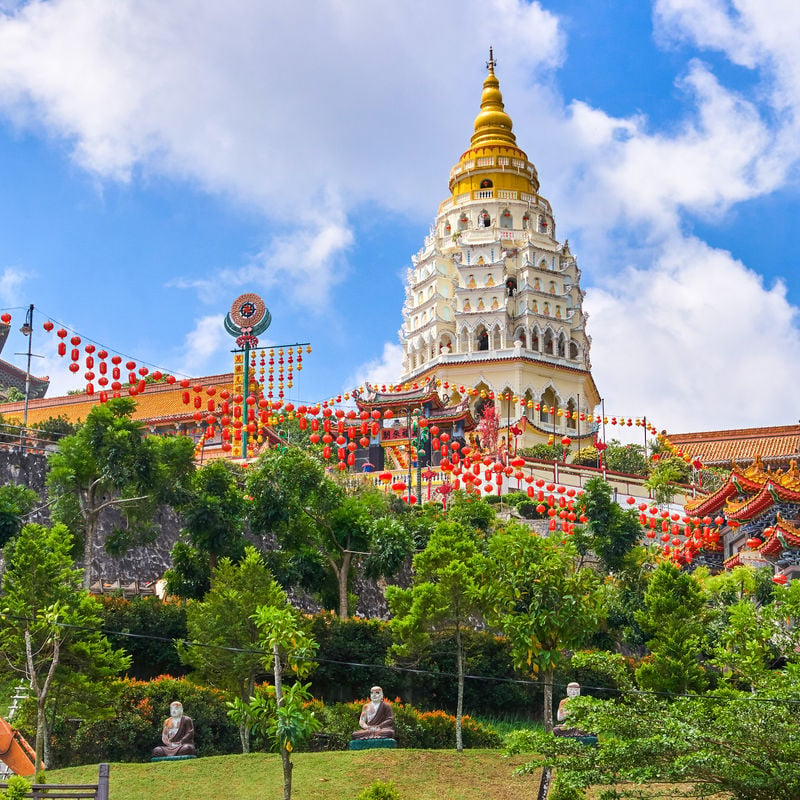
{"x": 214, "y": 511}
{"x": 544, "y": 452}
{"x": 423, "y": 730}
{"x": 18, "y": 788}
{"x": 527, "y": 510}
{"x": 107, "y": 463}
{"x": 16, "y": 502}
{"x": 142, "y": 617}
{"x": 628, "y": 458}
{"x": 737, "y": 744}
{"x": 444, "y": 596}
{"x": 134, "y": 727}
{"x": 294, "y": 499}
{"x": 471, "y": 511}
{"x": 225, "y": 650}
{"x": 54, "y": 428}
{"x": 380, "y": 790}
{"x": 587, "y": 457}
{"x": 51, "y": 631}
{"x": 613, "y": 532}
{"x": 664, "y": 475}
{"x": 672, "y": 618}
{"x": 540, "y": 600}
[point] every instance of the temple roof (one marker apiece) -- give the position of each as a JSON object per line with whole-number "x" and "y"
{"x": 775, "y": 445}
{"x": 160, "y": 403}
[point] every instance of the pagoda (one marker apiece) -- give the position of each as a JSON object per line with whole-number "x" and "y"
{"x": 757, "y": 512}
{"x": 493, "y": 307}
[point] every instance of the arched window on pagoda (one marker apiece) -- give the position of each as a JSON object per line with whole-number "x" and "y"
{"x": 484, "y": 221}
{"x": 562, "y": 345}
{"x": 571, "y": 421}
{"x": 482, "y": 339}
{"x": 549, "y": 401}
{"x": 535, "y": 340}
{"x": 573, "y": 350}
{"x": 486, "y": 183}
{"x": 548, "y": 342}
{"x": 506, "y": 220}
{"x": 520, "y": 336}
{"x": 463, "y": 222}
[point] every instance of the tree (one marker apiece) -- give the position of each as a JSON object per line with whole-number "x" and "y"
{"x": 282, "y": 713}
{"x": 628, "y": 458}
{"x": 225, "y": 637}
{"x": 108, "y": 464}
{"x": 444, "y": 598}
{"x": 540, "y": 600}
{"x": 741, "y": 744}
{"x": 213, "y": 511}
{"x": 613, "y": 532}
{"x": 307, "y": 510}
{"x": 673, "y": 619}
{"x": 50, "y": 633}
{"x": 664, "y": 475}
{"x": 16, "y": 502}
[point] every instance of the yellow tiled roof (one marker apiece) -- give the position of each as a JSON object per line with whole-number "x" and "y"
{"x": 779, "y": 443}
{"x": 159, "y": 403}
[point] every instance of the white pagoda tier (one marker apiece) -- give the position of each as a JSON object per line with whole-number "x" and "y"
{"x": 493, "y": 299}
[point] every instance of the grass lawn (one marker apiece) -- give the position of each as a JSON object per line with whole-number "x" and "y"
{"x": 417, "y": 774}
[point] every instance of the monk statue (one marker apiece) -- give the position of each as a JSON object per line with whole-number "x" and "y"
{"x": 573, "y": 690}
{"x": 177, "y": 734}
{"x": 376, "y": 720}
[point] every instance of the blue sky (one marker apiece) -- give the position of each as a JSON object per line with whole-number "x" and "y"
{"x": 159, "y": 159}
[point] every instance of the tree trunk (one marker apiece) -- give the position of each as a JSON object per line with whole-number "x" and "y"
{"x": 342, "y": 576}
{"x": 547, "y": 677}
{"x": 90, "y": 529}
{"x": 460, "y": 701}
{"x": 285, "y": 757}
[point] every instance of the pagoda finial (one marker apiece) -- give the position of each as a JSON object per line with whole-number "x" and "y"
{"x": 493, "y": 124}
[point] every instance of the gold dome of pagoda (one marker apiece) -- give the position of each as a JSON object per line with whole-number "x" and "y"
{"x": 493, "y": 158}
{"x": 492, "y": 124}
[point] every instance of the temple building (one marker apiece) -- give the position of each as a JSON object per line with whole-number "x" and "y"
{"x": 14, "y": 377}
{"x": 493, "y": 299}
{"x": 756, "y": 519}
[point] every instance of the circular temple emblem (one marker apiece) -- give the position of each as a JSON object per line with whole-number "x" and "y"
{"x": 248, "y": 310}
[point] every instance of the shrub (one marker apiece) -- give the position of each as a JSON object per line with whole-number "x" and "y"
{"x": 18, "y": 788}
{"x": 139, "y": 710}
{"x": 423, "y": 730}
{"x": 527, "y": 510}
{"x": 380, "y": 791}
{"x": 144, "y": 615}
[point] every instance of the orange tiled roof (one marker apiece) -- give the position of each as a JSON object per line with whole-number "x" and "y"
{"x": 773, "y": 444}
{"x": 159, "y": 403}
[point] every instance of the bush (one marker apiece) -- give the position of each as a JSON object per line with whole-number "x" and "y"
{"x": 380, "y": 791}
{"x": 422, "y": 730}
{"x": 139, "y": 710}
{"x": 145, "y": 615}
{"x": 527, "y": 510}
{"x": 18, "y": 788}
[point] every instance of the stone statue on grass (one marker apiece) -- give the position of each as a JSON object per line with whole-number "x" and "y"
{"x": 177, "y": 735}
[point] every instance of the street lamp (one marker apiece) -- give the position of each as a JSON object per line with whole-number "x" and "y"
{"x": 27, "y": 330}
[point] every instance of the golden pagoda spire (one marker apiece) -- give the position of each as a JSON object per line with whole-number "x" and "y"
{"x": 492, "y": 123}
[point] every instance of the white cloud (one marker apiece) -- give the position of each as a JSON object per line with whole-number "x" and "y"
{"x": 382, "y": 370}
{"x": 696, "y": 341}
{"x": 202, "y": 344}
{"x": 11, "y": 279}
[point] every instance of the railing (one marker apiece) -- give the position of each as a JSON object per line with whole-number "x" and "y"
{"x": 74, "y": 791}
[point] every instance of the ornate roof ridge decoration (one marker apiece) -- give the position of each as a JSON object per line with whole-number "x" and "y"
{"x": 789, "y": 529}
{"x": 756, "y": 471}
{"x": 789, "y": 479}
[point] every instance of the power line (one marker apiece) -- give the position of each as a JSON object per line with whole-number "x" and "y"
{"x": 416, "y": 670}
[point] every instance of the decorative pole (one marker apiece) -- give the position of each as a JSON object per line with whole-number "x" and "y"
{"x": 247, "y": 318}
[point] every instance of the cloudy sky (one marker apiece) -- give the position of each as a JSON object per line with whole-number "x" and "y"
{"x": 159, "y": 159}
